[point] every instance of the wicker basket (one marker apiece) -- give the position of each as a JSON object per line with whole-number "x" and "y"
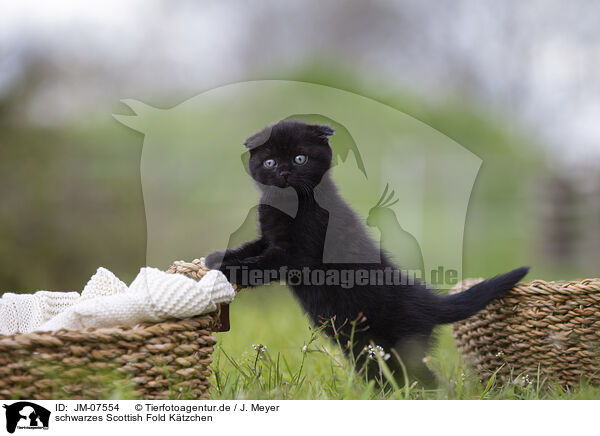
{"x": 168, "y": 359}
{"x": 553, "y": 327}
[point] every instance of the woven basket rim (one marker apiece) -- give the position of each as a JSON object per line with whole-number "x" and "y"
{"x": 568, "y": 287}
{"x": 543, "y": 287}
{"x": 106, "y": 333}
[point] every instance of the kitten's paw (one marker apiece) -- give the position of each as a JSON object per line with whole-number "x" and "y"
{"x": 215, "y": 259}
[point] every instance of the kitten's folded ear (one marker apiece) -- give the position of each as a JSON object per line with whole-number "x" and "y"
{"x": 322, "y": 131}
{"x": 259, "y": 138}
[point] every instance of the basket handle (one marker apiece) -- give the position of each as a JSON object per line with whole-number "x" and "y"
{"x": 196, "y": 269}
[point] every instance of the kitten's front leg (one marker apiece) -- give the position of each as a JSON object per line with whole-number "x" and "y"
{"x": 257, "y": 270}
{"x": 233, "y": 256}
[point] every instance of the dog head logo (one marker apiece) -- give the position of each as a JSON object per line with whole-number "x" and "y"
{"x": 24, "y": 414}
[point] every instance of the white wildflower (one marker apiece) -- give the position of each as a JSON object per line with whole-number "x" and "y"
{"x": 259, "y": 348}
{"x": 377, "y": 350}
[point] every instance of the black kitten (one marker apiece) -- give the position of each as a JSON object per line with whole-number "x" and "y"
{"x": 306, "y": 226}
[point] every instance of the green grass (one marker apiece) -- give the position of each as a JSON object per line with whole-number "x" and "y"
{"x": 263, "y": 357}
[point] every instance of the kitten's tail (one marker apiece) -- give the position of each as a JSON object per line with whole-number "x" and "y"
{"x": 455, "y": 307}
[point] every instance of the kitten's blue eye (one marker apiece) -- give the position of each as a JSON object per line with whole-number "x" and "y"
{"x": 269, "y": 163}
{"x": 300, "y": 159}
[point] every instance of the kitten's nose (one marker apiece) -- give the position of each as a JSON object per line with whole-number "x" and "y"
{"x": 285, "y": 173}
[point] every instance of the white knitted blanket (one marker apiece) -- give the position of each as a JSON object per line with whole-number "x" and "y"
{"x": 107, "y": 302}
